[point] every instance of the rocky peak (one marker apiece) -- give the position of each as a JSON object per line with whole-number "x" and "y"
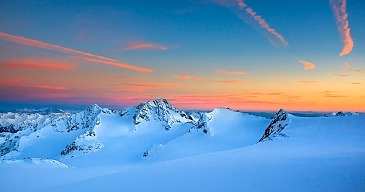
{"x": 342, "y": 113}
{"x": 278, "y": 122}
{"x": 161, "y": 110}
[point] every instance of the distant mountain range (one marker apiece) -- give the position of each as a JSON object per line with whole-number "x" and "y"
{"x": 154, "y": 130}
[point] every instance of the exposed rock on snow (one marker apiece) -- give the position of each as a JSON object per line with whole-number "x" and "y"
{"x": 160, "y": 110}
{"x": 279, "y": 121}
{"x": 342, "y": 113}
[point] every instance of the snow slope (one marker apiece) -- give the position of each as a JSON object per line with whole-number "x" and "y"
{"x": 157, "y": 147}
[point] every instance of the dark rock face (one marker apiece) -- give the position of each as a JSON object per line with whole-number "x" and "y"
{"x": 279, "y": 121}
{"x": 342, "y": 113}
{"x": 8, "y": 129}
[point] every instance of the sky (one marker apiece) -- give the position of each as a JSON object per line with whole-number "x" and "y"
{"x": 256, "y": 55}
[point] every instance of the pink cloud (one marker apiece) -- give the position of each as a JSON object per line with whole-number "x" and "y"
{"x": 188, "y": 77}
{"x": 38, "y": 63}
{"x": 307, "y": 65}
{"x": 79, "y": 54}
{"x": 241, "y": 4}
{"x": 57, "y": 88}
{"x": 339, "y": 10}
{"x": 224, "y": 72}
{"x": 143, "y": 46}
{"x": 21, "y": 84}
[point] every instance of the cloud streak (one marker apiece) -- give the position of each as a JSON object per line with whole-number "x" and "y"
{"x": 340, "y": 75}
{"x": 79, "y": 54}
{"x": 348, "y": 67}
{"x": 234, "y": 82}
{"x": 144, "y": 46}
{"x": 20, "y": 83}
{"x": 224, "y": 72}
{"x": 251, "y": 17}
{"x": 307, "y": 81}
{"x": 188, "y": 77}
{"x": 307, "y": 65}
{"x": 140, "y": 87}
{"x": 36, "y": 63}
{"x": 339, "y": 10}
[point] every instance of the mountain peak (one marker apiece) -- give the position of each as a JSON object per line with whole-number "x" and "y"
{"x": 160, "y": 103}
{"x": 159, "y": 109}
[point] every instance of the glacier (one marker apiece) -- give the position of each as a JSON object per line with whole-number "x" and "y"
{"x": 154, "y": 146}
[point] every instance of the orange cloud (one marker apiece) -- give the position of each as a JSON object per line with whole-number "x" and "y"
{"x": 188, "y": 77}
{"x": 307, "y": 65}
{"x": 307, "y": 81}
{"x": 80, "y": 54}
{"x": 356, "y": 83}
{"x": 348, "y": 67}
{"x": 230, "y": 81}
{"x": 359, "y": 70}
{"x": 142, "y": 46}
{"x": 224, "y": 72}
{"x": 341, "y": 75}
{"x": 339, "y": 10}
{"x": 47, "y": 64}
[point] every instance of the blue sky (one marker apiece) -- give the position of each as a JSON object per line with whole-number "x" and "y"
{"x": 186, "y": 45}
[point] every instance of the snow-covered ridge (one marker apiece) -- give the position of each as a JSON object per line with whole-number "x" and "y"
{"x": 154, "y": 129}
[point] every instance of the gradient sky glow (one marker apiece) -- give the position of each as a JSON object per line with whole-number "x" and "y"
{"x": 198, "y": 54}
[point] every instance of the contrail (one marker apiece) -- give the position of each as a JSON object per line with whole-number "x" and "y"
{"x": 79, "y": 54}
{"x": 339, "y": 10}
{"x": 265, "y": 25}
{"x": 249, "y": 16}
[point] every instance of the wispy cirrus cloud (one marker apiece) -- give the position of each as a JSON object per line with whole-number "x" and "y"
{"x": 307, "y": 65}
{"x": 307, "y": 81}
{"x": 249, "y": 16}
{"x": 140, "y": 87}
{"x": 356, "y": 83}
{"x": 21, "y": 84}
{"x": 332, "y": 94}
{"x": 340, "y": 75}
{"x": 188, "y": 77}
{"x": 79, "y": 54}
{"x": 348, "y": 67}
{"x": 38, "y": 63}
{"x": 339, "y": 10}
{"x": 144, "y": 46}
{"x": 230, "y": 81}
{"x": 57, "y": 88}
{"x": 225, "y": 72}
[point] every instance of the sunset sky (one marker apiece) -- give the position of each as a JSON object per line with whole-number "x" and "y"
{"x": 260, "y": 55}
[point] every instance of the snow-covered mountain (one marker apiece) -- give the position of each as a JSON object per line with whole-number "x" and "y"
{"x": 156, "y": 137}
